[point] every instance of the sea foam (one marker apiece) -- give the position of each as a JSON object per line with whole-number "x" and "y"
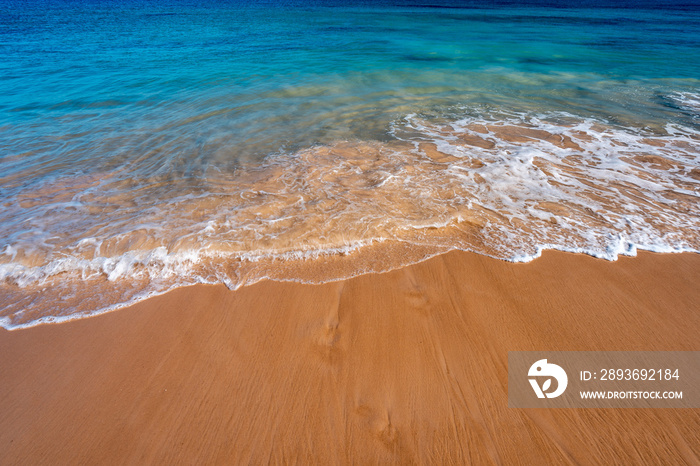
{"x": 506, "y": 185}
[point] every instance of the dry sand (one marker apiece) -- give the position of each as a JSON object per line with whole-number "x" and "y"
{"x": 408, "y": 366}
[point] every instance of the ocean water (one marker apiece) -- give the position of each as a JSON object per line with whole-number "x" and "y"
{"x": 146, "y": 145}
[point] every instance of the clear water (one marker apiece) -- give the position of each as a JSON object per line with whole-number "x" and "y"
{"x": 147, "y": 145}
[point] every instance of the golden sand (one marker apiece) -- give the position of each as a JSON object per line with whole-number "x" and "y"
{"x": 408, "y": 366}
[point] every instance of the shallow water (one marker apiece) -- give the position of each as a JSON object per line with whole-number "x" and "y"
{"x": 152, "y": 145}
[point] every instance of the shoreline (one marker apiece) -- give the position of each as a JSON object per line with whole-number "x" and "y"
{"x": 408, "y": 365}
{"x": 334, "y": 268}
{"x": 502, "y": 186}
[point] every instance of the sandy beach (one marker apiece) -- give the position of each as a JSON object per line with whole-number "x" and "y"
{"x": 408, "y": 366}
{"x": 312, "y": 232}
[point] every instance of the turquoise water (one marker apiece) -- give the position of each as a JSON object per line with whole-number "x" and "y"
{"x": 146, "y": 145}
{"x": 112, "y": 77}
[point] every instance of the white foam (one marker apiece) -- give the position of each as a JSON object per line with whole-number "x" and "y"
{"x": 613, "y": 191}
{"x": 688, "y": 101}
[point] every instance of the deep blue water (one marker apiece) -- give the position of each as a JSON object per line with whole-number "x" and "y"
{"x": 279, "y": 74}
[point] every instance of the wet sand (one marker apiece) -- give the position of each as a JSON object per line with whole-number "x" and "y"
{"x": 408, "y": 366}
